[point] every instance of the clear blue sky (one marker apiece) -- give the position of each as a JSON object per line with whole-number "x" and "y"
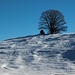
{"x": 20, "y": 17}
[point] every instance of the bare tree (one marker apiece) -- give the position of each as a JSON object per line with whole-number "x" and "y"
{"x": 52, "y": 21}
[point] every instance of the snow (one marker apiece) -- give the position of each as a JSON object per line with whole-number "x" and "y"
{"x": 38, "y": 55}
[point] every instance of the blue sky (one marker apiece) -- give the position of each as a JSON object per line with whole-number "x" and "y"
{"x": 20, "y": 17}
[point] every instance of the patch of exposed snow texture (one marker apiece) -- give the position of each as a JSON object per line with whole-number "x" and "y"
{"x": 38, "y": 55}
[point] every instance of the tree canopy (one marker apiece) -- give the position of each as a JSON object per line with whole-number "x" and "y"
{"x": 52, "y": 21}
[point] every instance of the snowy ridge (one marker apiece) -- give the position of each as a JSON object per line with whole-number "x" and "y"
{"x": 38, "y": 55}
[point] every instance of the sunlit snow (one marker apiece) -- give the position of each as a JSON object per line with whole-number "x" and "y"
{"x": 38, "y": 55}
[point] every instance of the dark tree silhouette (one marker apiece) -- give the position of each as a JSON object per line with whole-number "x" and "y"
{"x": 52, "y": 21}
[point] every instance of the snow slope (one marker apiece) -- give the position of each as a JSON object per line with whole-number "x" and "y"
{"x": 38, "y": 55}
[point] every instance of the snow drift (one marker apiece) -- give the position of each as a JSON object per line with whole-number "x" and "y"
{"x": 38, "y": 55}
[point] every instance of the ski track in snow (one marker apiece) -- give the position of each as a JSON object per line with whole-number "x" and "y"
{"x": 38, "y": 55}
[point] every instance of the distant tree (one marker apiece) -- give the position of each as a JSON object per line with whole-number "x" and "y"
{"x": 52, "y": 21}
{"x": 42, "y": 32}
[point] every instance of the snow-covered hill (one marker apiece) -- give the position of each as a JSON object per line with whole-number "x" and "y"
{"x": 38, "y": 55}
